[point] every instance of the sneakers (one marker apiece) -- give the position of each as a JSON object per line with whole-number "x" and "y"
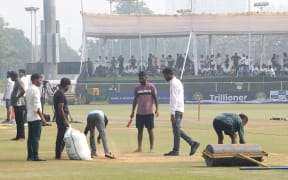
{"x": 93, "y": 155}
{"x": 194, "y": 148}
{"x": 35, "y": 159}
{"x": 38, "y": 159}
{"x": 17, "y": 139}
{"x": 171, "y": 153}
{"x": 109, "y": 155}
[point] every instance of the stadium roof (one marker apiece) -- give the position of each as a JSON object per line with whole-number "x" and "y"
{"x": 123, "y": 26}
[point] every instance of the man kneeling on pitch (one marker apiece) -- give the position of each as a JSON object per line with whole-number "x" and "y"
{"x": 230, "y": 123}
{"x": 98, "y": 119}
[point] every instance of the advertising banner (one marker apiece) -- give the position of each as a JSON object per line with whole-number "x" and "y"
{"x": 127, "y": 98}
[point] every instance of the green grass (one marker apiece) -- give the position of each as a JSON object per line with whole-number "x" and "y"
{"x": 272, "y": 135}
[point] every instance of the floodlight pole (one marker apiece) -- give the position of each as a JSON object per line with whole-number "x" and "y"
{"x": 32, "y": 10}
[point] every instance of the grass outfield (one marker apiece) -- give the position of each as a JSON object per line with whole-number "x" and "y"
{"x": 272, "y": 135}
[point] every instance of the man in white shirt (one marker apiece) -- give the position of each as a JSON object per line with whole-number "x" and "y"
{"x": 176, "y": 110}
{"x": 7, "y": 96}
{"x": 35, "y": 118}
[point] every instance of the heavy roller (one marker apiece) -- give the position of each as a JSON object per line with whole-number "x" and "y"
{"x": 234, "y": 155}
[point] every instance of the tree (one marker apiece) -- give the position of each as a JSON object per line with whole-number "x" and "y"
{"x": 14, "y": 48}
{"x": 132, "y": 7}
{"x": 66, "y": 52}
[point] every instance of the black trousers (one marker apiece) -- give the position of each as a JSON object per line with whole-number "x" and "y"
{"x": 34, "y": 133}
{"x": 19, "y": 118}
{"x": 61, "y": 129}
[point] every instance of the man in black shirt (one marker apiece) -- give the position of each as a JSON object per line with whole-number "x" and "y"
{"x": 61, "y": 115}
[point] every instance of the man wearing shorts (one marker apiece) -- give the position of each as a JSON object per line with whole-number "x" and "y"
{"x": 144, "y": 96}
{"x": 230, "y": 123}
{"x": 7, "y": 96}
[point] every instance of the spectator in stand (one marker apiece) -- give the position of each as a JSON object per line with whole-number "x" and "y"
{"x": 113, "y": 64}
{"x": 121, "y": 64}
{"x": 150, "y": 62}
{"x": 274, "y": 61}
{"x": 235, "y": 60}
{"x": 189, "y": 66}
{"x": 90, "y": 67}
{"x": 226, "y": 66}
{"x": 213, "y": 65}
{"x": 246, "y": 66}
{"x": 181, "y": 62}
{"x": 278, "y": 64}
{"x": 170, "y": 61}
{"x": 99, "y": 60}
{"x": 270, "y": 71}
{"x": 241, "y": 65}
{"x": 202, "y": 62}
{"x": 285, "y": 62}
{"x": 163, "y": 62}
{"x": 218, "y": 60}
{"x": 177, "y": 61}
{"x": 133, "y": 62}
{"x": 263, "y": 70}
{"x": 255, "y": 70}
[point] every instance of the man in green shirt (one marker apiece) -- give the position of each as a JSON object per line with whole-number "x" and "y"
{"x": 230, "y": 123}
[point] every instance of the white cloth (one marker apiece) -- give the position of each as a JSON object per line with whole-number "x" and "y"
{"x": 176, "y": 96}
{"x": 33, "y": 96}
{"x": 25, "y": 81}
{"x": 8, "y": 88}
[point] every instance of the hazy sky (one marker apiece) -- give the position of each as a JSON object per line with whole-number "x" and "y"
{"x": 68, "y": 12}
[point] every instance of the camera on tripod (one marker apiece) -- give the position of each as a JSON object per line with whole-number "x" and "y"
{"x": 47, "y": 92}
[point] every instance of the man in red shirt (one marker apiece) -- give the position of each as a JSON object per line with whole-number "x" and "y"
{"x": 144, "y": 96}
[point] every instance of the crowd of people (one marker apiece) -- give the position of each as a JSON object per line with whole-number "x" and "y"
{"x": 25, "y": 97}
{"x": 237, "y": 65}
{"x": 210, "y": 65}
{"x": 152, "y": 65}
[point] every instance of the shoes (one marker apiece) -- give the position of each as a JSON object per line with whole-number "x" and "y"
{"x": 35, "y": 159}
{"x": 93, "y": 155}
{"x": 194, "y": 148}
{"x": 38, "y": 159}
{"x": 59, "y": 158}
{"x": 171, "y": 153}
{"x": 17, "y": 139}
{"x": 109, "y": 155}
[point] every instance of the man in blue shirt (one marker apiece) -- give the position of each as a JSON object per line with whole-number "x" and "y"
{"x": 98, "y": 119}
{"x": 230, "y": 123}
